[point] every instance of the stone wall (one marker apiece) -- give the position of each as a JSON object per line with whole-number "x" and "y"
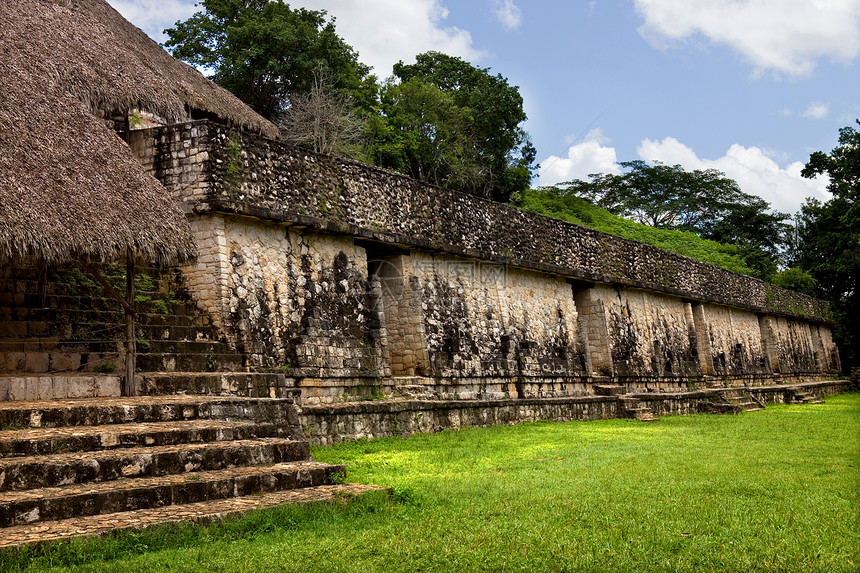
{"x": 325, "y": 425}
{"x": 734, "y": 344}
{"x": 211, "y": 167}
{"x": 292, "y": 300}
{"x": 649, "y": 334}
{"x": 340, "y": 275}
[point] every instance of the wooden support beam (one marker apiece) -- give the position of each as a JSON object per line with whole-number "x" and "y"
{"x": 109, "y": 289}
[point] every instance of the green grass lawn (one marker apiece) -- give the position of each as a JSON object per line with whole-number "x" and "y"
{"x": 775, "y": 490}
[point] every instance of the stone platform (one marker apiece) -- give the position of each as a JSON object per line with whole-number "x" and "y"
{"x": 88, "y": 466}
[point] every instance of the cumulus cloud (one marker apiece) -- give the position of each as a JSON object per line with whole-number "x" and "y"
{"x": 508, "y": 13}
{"x": 383, "y": 31}
{"x": 817, "y": 110}
{"x": 590, "y": 156}
{"x": 153, "y": 16}
{"x": 788, "y": 36}
{"x": 754, "y": 170}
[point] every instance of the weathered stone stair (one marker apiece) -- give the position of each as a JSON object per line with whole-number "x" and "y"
{"x": 204, "y": 439}
{"x": 81, "y": 467}
{"x": 62, "y": 336}
{"x": 732, "y": 401}
{"x": 633, "y": 408}
{"x": 801, "y": 396}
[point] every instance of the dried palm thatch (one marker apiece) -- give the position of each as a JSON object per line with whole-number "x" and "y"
{"x": 90, "y": 49}
{"x": 69, "y": 186}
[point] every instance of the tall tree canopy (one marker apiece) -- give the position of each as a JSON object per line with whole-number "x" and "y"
{"x": 705, "y": 202}
{"x": 494, "y": 156}
{"x": 264, "y": 51}
{"x": 441, "y": 119}
{"x": 829, "y": 245}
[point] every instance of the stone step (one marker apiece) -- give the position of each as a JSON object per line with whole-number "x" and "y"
{"x": 47, "y": 441}
{"x": 171, "y": 362}
{"x": 28, "y": 284}
{"x": 609, "y": 389}
{"x": 640, "y": 413}
{"x": 172, "y": 332}
{"x": 81, "y": 318}
{"x": 58, "y": 386}
{"x": 159, "y": 346}
{"x": 23, "y": 328}
{"x": 145, "y": 303}
{"x": 254, "y": 384}
{"x": 125, "y": 410}
{"x": 129, "y": 494}
{"x": 33, "y": 472}
{"x": 51, "y": 344}
{"x": 25, "y": 313}
{"x": 204, "y": 511}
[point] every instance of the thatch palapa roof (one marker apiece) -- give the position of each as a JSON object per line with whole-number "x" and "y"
{"x": 69, "y": 185}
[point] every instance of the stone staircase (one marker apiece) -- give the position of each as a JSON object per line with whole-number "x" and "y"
{"x": 87, "y": 466}
{"x": 801, "y": 396}
{"x": 204, "y": 438}
{"x": 633, "y": 408}
{"x": 732, "y": 401}
{"x": 62, "y": 337}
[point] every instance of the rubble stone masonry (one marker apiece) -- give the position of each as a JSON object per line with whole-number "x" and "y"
{"x": 342, "y": 275}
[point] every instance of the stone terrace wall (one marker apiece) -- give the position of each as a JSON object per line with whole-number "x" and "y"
{"x": 221, "y": 169}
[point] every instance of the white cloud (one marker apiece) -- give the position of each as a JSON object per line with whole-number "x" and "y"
{"x": 590, "y": 156}
{"x": 387, "y": 31}
{"x": 754, "y": 171}
{"x": 153, "y": 16}
{"x": 786, "y": 36}
{"x": 383, "y": 31}
{"x": 508, "y": 13}
{"x": 817, "y": 110}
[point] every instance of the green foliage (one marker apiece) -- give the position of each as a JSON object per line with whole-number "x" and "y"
{"x": 106, "y": 368}
{"x": 795, "y": 279}
{"x": 441, "y": 120}
{"x": 481, "y": 116}
{"x": 431, "y": 133}
{"x": 705, "y": 202}
{"x": 829, "y": 240}
{"x": 263, "y": 51}
{"x": 561, "y": 204}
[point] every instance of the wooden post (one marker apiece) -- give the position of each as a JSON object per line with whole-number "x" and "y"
{"x": 43, "y": 283}
{"x": 130, "y": 389}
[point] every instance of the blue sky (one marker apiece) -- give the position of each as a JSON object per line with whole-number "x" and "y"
{"x": 749, "y": 87}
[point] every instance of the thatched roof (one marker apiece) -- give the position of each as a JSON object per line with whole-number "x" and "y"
{"x": 90, "y": 49}
{"x": 69, "y": 185}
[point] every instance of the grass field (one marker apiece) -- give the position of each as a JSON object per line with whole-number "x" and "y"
{"x": 775, "y": 490}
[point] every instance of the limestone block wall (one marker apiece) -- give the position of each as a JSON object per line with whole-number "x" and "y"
{"x": 330, "y": 269}
{"x": 178, "y": 156}
{"x": 487, "y": 320}
{"x": 828, "y": 353}
{"x": 734, "y": 346}
{"x": 251, "y": 175}
{"x": 795, "y": 349}
{"x": 649, "y": 334}
{"x": 288, "y": 299}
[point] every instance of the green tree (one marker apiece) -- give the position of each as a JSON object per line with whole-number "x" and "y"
{"x": 489, "y": 113}
{"x": 829, "y": 233}
{"x": 431, "y": 133}
{"x": 796, "y": 279}
{"x": 264, "y": 51}
{"x": 705, "y": 202}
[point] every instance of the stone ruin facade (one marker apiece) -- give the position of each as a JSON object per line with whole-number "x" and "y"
{"x": 357, "y": 283}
